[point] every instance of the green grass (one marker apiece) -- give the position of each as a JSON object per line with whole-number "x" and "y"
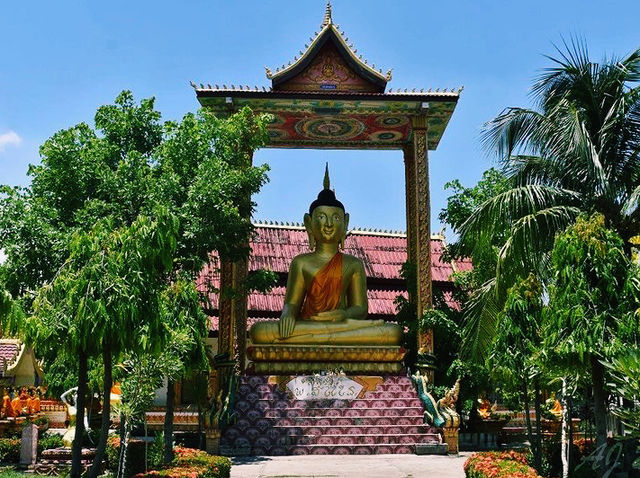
{"x": 11, "y": 473}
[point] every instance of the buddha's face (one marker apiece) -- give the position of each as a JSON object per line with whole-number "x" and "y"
{"x": 327, "y": 224}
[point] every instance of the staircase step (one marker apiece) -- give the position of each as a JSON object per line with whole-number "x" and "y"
{"x": 349, "y": 450}
{"x": 264, "y": 404}
{"x": 348, "y": 421}
{"x": 352, "y": 439}
{"x": 277, "y": 395}
{"x": 324, "y": 430}
{"x": 290, "y": 412}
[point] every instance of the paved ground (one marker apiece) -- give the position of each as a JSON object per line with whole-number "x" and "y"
{"x": 350, "y": 466}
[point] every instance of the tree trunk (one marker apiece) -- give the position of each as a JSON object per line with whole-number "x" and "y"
{"x": 96, "y": 469}
{"x": 76, "y": 453}
{"x": 124, "y": 446}
{"x": 569, "y": 402}
{"x": 167, "y": 456}
{"x": 564, "y": 449}
{"x": 146, "y": 445}
{"x": 527, "y": 406}
{"x": 201, "y": 440}
{"x": 538, "y": 407}
{"x": 599, "y": 410}
{"x": 121, "y": 429}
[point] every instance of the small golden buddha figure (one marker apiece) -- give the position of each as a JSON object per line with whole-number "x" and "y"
{"x": 33, "y": 402}
{"x": 326, "y": 297}
{"x": 485, "y": 409}
{"x": 556, "y": 410}
{"x": 7, "y": 409}
{"x": 17, "y": 403}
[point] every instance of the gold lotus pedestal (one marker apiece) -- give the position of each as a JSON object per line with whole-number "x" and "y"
{"x": 297, "y": 359}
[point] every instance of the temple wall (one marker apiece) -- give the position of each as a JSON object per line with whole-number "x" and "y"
{"x": 25, "y": 373}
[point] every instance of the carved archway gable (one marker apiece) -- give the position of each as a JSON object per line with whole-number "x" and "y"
{"x": 327, "y": 41}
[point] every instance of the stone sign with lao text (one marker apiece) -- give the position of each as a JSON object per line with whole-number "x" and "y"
{"x": 321, "y": 387}
{"x": 29, "y": 448}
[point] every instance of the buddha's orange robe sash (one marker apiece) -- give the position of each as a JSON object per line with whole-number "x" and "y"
{"x": 325, "y": 289}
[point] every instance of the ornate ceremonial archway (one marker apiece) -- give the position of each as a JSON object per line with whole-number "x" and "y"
{"x": 329, "y": 97}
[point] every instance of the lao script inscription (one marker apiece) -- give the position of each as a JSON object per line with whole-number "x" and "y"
{"x": 318, "y": 387}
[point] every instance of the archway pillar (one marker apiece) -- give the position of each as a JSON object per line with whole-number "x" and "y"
{"x": 418, "y": 206}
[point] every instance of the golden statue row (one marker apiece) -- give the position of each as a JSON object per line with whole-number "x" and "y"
{"x": 326, "y": 305}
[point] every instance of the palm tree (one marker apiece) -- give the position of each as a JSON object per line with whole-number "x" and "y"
{"x": 577, "y": 151}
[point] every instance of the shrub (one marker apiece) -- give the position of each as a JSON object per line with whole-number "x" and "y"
{"x": 135, "y": 463}
{"x": 191, "y": 463}
{"x": 155, "y": 451}
{"x": 506, "y": 464}
{"x": 10, "y": 450}
{"x": 48, "y": 441}
{"x": 112, "y": 452}
{"x": 41, "y": 421}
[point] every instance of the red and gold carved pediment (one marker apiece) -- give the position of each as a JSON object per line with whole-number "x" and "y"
{"x": 326, "y": 72}
{"x": 329, "y": 62}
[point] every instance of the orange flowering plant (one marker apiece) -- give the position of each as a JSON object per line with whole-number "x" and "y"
{"x": 505, "y": 464}
{"x": 192, "y": 463}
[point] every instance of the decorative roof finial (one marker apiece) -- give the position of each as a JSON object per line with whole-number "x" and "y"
{"x": 326, "y": 183}
{"x": 327, "y": 16}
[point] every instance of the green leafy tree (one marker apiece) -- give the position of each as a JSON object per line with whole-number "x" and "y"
{"x": 593, "y": 305}
{"x": 575, "y": 152}
{"x": 198, "y": 171}
{"x": 461, "y": 205}
{"x": 105, "y": 300}
{"x": 513, "y": 353}
{"x": 483, "y": 252}
{"x": 205, "y": 176}
{"x": 143, "y": 373}
{"x": 5, "y": 303}
{"x": 624, "y": 372}
{"x": 442, "y": 320}
{"x": 186, "y": 355}
{"x": 8, "y": 308}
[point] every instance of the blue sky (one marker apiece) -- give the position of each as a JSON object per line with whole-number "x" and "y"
{"x": 61, "y": 60}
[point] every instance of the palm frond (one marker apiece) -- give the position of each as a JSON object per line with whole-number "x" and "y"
{"x": 631, "y": 204}
{"x": 511, "y": 129}
{"x": 628, "y": 145}
{"x": 526, "y": 169}
{"x": 503, "y": 210}
{"x": 531, "y": 236}
{"x": 630, "y": 67}
{"x": 481, "y": 317}
{"x": 572, "y": 77}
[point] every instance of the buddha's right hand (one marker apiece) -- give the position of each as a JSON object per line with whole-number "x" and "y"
{"x": 286, "y": 326}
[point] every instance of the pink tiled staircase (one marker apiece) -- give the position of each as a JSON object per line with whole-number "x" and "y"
{"x": 387, "y": 420}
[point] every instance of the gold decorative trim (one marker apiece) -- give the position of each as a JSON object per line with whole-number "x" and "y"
{"x": 322, "y": 353}
{"x": 286, "y": 368}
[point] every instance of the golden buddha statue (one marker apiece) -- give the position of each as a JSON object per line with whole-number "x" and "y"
{"x": 326, "y": 296}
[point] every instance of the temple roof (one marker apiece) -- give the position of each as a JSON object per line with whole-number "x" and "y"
{"x": 9, "y": 352}
{"x": 329, "y": 36}
{"x": 13, "y": 352}
{"x": 382, "y": 252}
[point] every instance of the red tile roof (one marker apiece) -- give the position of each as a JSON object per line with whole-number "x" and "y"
{"x": 383, "y": 253}
{"x": 9, "y": 349}
{"x": 380, "y": 301}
